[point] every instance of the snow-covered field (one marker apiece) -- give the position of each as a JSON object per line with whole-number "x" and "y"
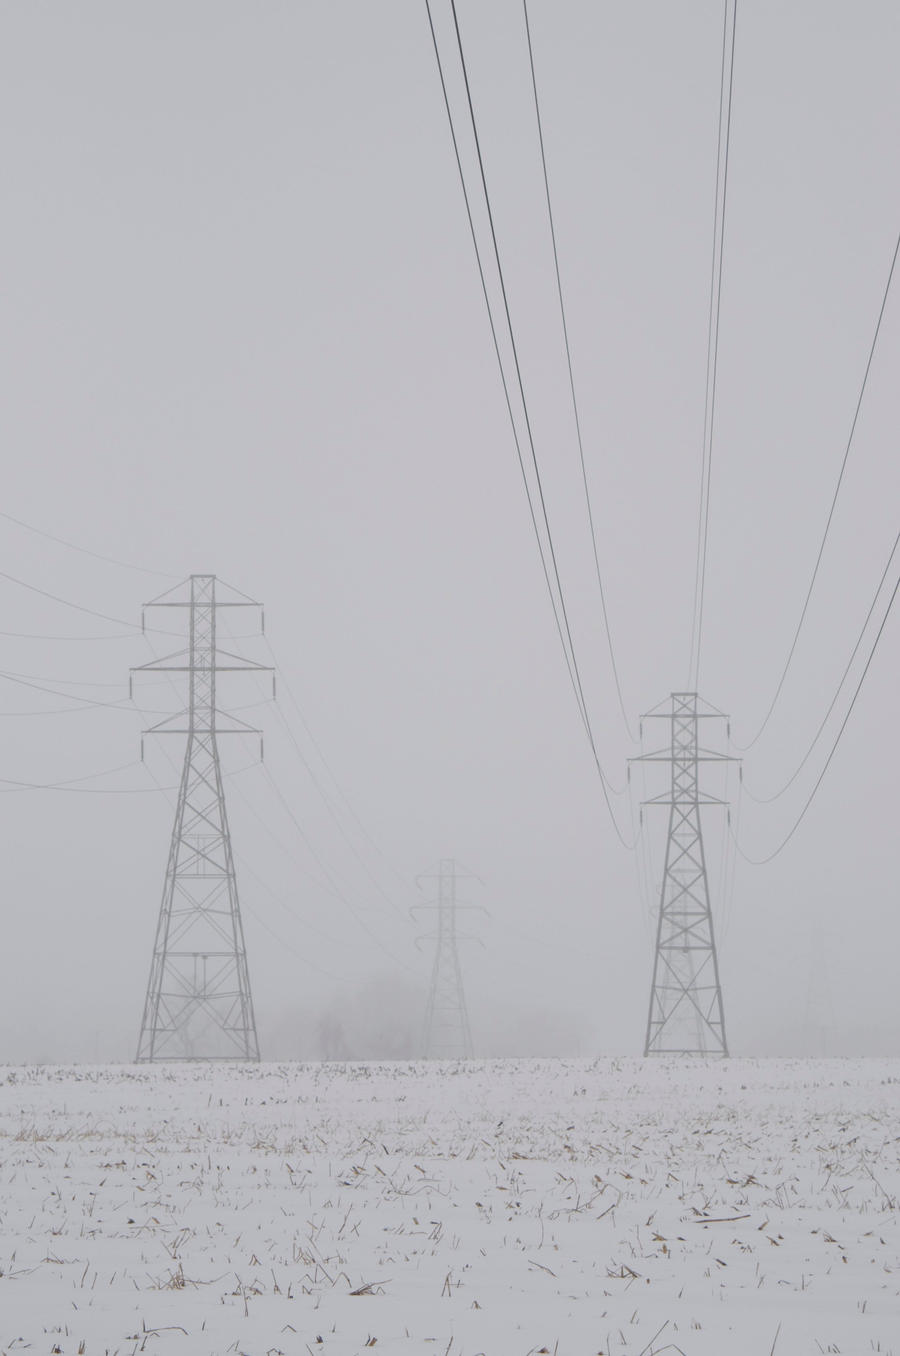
{"x": 506, "y": 1208}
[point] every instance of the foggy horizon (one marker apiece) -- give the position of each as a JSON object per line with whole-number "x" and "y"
{"x": 243, "y": 335}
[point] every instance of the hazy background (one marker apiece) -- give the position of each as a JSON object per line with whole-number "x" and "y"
{"x": 242, "y": 333}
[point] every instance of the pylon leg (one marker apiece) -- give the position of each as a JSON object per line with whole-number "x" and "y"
{"x": 686, "y": 1015}
{"x": 198, "y": 1003}
{"x": 447, "y": 1033}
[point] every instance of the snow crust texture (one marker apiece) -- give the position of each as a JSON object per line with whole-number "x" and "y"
{"x": 509, "y": 1208}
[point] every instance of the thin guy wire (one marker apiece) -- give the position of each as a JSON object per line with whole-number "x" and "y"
{"x": 70, "y": 781}
{"x": 338, "y": 822}
{"x": 248, "y": 908}
{"x": 79, "y": 607}
{"x": 712, "y": 351}
{"x": 291, "y": 855}
{"x": 326, "y": 799}
{"x": 245, "y": 864}
{"x": 404, "y": 880}
{"x": 328, "y": 803}
{"x": 767, "y": 800}
{"x": 574, "y": 672}
{"x": 55, "y": 682}
{"x": 575, "y": 410}
{"x": 762, "y": 861}
{"x": 13, "y": 786}
{"x": 33, "y": 635}
{"x": 828, "y": 521}
{"x": 329, "y": 875}
{"x": 126, "y": 704}
{"x": 84, "y": 550}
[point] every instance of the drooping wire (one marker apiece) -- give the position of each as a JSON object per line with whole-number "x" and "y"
{"x": 34, "y": 635}
{"x": 122, "y": 705}
{"x": 559, "y": 608}
{"x": 519, "y": 379}
{"x": 762, "y": 861}
{"x": 285, "y": 685}
{"x": 84, "y": 550}
{"x": 80, "y": 607}
{"x": 712, "y": 350}
{"x": 86, "y": 703}
{"x": 831, "y": 510}
{"x": 496, "y": 344}
{"x": 334, "y": 888}
{"x": 326, "y": 799}
{"x": 239, "y": 857}
{"x": 70, "y": 783}
{"x": 250, "y": 869}
{"x": 248, "y": 908}
{"x": 265, "y": 824}
{"x": 57, "y": 682}
{"x": 767, "y": 800}
{"x": 575, "y": 410}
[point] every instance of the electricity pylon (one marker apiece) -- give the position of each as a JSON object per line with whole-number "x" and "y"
{"x": 686, "y": 1016}
{"x": 198, "y": 1003}
{"x": 447, "y": 1034}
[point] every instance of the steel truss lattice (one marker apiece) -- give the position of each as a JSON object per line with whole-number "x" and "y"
{"x": 447, "y": 1033}
{"x": 686, "y": 1016}
{"x": 198, "y": 1004}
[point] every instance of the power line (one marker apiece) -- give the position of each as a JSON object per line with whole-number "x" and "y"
{"x": 496, "y": 344}
{"x": 518, "y": 369}
{"x": 324, "y": 761}
{"x": 79, "y": 607}
{"x": 124, "y": 704}
{"x": 767, "y": 800}
{"x": 127, "y": 703}
{"x": 245, "y": 866}
{"x": 828, "y": 521}
{"x": 326, "y": 799}
{"x": 84, "y": 550}
{"x": 762, "y": 861}
{"x": 70, "y": 782}
{"x": 335, "y": 888}
{"x": 289, "y": 853}
{"x": 373, "y": 880}
{"x": 68, "y": 682}
{"x": 10, "y": 785}
{"x": 559, "y": 610}
{"x": 32, "y": 635}
{"x": 712, "y": 349}
{"x": 565, "y": 328}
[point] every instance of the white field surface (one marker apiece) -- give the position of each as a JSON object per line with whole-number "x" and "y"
{"x": 505, "y": 1208}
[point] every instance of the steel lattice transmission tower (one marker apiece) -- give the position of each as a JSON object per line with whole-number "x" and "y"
{"x": 686, "y": 1016}
{"x": 447, "y": 1033}
{"x": 198, "y": 1003}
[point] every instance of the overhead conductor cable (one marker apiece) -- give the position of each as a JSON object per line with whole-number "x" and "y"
{"x": 559, "y": 608}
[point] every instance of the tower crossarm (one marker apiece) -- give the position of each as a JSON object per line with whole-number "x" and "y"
{"x": 198, "y": 1003}
{"x": 686, "y": 1014}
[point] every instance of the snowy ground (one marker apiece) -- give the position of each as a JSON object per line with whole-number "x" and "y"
{"x": 504, "y": 1208}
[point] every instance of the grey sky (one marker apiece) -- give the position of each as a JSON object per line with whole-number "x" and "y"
{"x": 242, "y": 333}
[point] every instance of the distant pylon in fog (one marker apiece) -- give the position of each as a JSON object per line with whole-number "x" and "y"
{"x": 686, "y": 1016}
{"x": 447, "y": 1034}
{"x": 198, "y": 1003}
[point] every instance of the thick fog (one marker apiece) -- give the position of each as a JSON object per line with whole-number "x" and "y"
{"x": 242, "y": 333}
